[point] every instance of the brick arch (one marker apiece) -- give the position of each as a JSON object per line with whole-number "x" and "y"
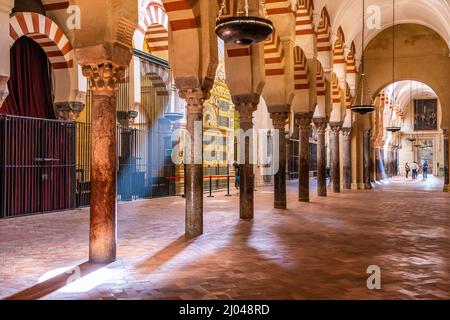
{"x": 323, "y": 32}
{"x": 274, "y": 55}
{"x": 301, "y": 71}
{"x": 348, "y": 96}
{"x": 335, "y": 89}
{"x": 304, "y": 18}
{"x": 320, "y": 80}
{"x": 46, "y": 33}
{"x": 183, "y": 14}
{"x": 338, "y": 51}
{"x": 351, "y": 60}
{"x": 160, "y": 78}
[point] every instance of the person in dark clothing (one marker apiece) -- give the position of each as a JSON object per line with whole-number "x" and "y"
{"x": 237, "y": 173}
{"x": 425, "y": 170}
{"x": 407, "y": 170}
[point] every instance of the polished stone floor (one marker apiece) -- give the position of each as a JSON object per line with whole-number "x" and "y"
{"x": 319, "y": 250}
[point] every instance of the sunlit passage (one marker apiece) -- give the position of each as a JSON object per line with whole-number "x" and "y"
{"x": 245, "y": 149}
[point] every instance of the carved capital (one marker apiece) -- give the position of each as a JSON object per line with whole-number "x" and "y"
{"x": 68, "y": 110}
{"x": 3, "y": 88}
{"x": 194, "y": 99}
{"x": 446, "y": 134}
{"x": 346, "y": 133}
{"x": 335, "y": 128}
{"x": 367, "y": 133}
{"x": 321, "y": 125}
{"x": 279, "y": 115}
{"x": 104, "y": 77}
{"x": 126, "y": 118}
{"x": 304, "y": 120}
{"x": 246, "y": 105}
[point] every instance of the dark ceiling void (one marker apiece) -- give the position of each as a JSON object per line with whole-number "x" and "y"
{"x": 28, "y": 6}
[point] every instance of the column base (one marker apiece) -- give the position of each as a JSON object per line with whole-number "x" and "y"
{"x": 281, "y": 205}
{"x": 304, "y": 200}
{"x": 447, "y": 188}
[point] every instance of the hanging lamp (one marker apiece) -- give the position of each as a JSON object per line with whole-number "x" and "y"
{"x": 243, "y": 29}
{"x": 363, "y": 102}
{"x": 394, "y": 128}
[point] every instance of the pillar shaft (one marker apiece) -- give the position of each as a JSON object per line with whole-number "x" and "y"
{"x": 304, "y": 124}
{"x": 194, "y": 164}
{"x": 446, "y": 162}
{"x": 321, "y": 127}
{"x": 280, "y": 115}
{"x": 366, "y": 146}
{"x": 347, "y": 165}
{"x": 246, "y": 105}
{"x": 103, "y": 221}
{"x": 335, "y": 158}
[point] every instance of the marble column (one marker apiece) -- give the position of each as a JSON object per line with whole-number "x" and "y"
{"x": 347, "y": 158}
{"x": 366, "y": 147}
{"x": 246, "y": 105}
{"x": 103, "y": 222}
{"x": 194, "y": 165}
{"x": 321, "y": 127}
{"x": 303, "y": 120}
{"x": 126, "y": 169}
{"x": 335, "y": 156}
{"x": 279, "y": 115}
{"x": 446, "y": 162}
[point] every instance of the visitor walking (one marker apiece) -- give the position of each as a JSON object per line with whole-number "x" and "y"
{"x": 425, "y": 170}
{"x": 237, "y": 173}
{"x": 415, "y": 170}
{"x": 407, "y": 169}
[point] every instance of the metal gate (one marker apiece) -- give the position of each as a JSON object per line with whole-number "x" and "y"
{"x": 37, "y": 165}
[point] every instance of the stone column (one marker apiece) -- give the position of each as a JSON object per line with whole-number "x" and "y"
{"x": 303, "y": 121}
{"x": 103, "y": 222}
{"x": 366, "y": 146}
{"x": 194, "y": 165}
{"x": 335, "y": 158}
{"x": 446, "y": 162}
{"x": 126, "y": 169}
{"x": 279, "y": 115}
{"x": 347, "y": 135}
{"x": 246, "y": 104}
{"x": 321, "y": 127}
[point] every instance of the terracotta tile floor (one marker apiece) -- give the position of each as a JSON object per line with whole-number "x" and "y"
{"x": 311, "y": 251}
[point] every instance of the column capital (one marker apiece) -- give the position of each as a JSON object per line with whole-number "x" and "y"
{"x": 321, "y": 125}
{"x": 335, "y": 128}
{"x": 279, "y": 115}
{"x": 368, "y": 132}
{"x": 3, "y": 88}
{"x": 246, "y": 104}
{"x": 68, "y": 110}
{"x": 445, "y": 132}
{"x": 304, "y": 120}
{"x": 195, "y": 97}
{"x": 126, "y": 118}
{"x": 346, "y": 132}
{"x": 104, "y": 77}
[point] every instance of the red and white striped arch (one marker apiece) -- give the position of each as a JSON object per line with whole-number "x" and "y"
{"x": 338, "y": 52}
{"x": 304, "y": 18}
{"x": 160, "y": 77}
{"x": 351, "y": 60}
{"x": 183, "y": 14}
{"x": 278, "y": 7}
{"x": 301, "y": 71}
{"x": 274, "y": 56}
{"x": 320, "y": 80}
{"x": 335, "y": 90}
{"x": 348, "y": 97}
{"x": 323, "y": 32}
{"x": 46, "y": 33}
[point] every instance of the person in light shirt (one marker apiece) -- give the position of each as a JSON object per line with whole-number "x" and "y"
{"x": 415, "y": 170}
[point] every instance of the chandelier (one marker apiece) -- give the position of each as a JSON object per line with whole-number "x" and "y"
{"x": 363, "y": 102}
{"x": 243, "y": 29}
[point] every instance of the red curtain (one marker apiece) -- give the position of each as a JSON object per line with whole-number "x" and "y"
{"x": 30, "y": 85}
